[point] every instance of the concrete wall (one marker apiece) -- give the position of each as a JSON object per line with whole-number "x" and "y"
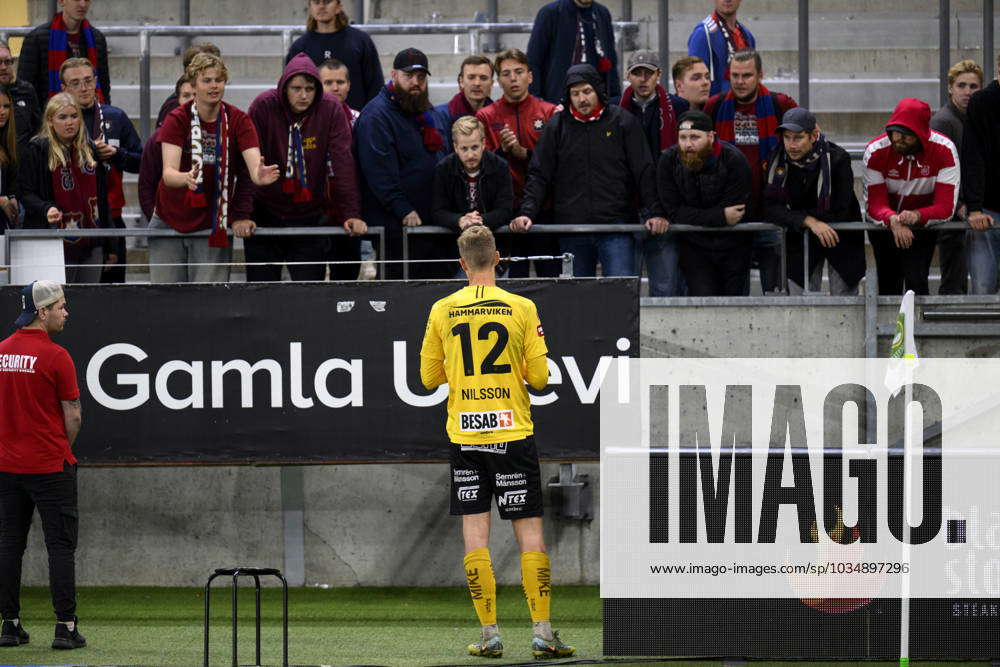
{"x": 388, "y": 524}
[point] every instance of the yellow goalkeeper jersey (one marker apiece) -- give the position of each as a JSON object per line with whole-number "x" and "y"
{"x": 485, "y": 337}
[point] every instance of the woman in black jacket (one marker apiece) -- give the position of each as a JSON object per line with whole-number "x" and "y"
{"x": 8, "y": 161}
{"x": 64, "y": 185}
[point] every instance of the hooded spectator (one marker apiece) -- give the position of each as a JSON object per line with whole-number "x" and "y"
{"x": 593, "y": 161}
{"x": 911, "y": 181}
{"x": 567, "y": 33}
{"x": 306, "y": 130}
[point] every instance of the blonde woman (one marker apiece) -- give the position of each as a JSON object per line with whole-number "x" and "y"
{"x": 63, "y": 185}
{"x": 8, "y": 161}
{"x": 329, "y": 34}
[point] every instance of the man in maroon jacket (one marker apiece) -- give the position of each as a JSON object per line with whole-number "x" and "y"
{"x": 40, "y": 418}
{"x": 301, "y": 128}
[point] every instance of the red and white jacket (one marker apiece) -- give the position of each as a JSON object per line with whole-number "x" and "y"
{"x": 926, "y": 182}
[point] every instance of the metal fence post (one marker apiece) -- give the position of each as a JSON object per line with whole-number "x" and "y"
{"x": 286, "y": 41}
{"x": 663, "y": 23}
{"x": 145, "y": 79}
{"x": 944, "y": 47}
{"x": 185, "y": 19}
{"x": 626, "y": 10}
{"x": 988, "y": 62}
{"x": 804, "y": 53}
{"x": 492, "y": 16}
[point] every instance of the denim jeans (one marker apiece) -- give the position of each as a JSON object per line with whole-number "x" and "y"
{"x": 662, "y": 257}
{"x": 984, "y": 251}
{"x": 615, "y": 252}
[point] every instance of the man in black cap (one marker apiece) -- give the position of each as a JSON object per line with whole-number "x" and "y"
{"x": 399, "y": 139}
{"x": 39, "y": 420}
{"x": 809, "y": 184}
{"x": 592, "y": 160}
{"x": 703, "y": 181}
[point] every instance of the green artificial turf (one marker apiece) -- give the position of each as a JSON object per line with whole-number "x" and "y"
{"x": 337, "y": 626}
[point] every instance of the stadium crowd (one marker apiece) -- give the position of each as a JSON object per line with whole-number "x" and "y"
{"x": 337, "y": 143}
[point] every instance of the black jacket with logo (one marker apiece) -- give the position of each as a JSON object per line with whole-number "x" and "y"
{"x": 595, "y": 172}
{"x": 700, "y": 198}
{"x": 496, "y": 192}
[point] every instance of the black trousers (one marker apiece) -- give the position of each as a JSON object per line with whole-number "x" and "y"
{"x": 116, "y": 272}
{"x": 54, "y": 494}
{"x": 277, "y": 250}
{"x": 954, "y": 264}
{"x": 711, "y": 272}
{"x": 901, "y": 269}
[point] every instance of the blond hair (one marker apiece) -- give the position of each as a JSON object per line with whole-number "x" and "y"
{"x": 477, "y": 247}
{"x": 70, "y": 63}
{"x": 59, "y": 154}
{"x": 965, "y": 67}
{"x": 204, "y": 61}
{"x": 465, "y": 126}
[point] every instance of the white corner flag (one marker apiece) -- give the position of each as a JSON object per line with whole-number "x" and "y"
{"x": 903, "y": 352}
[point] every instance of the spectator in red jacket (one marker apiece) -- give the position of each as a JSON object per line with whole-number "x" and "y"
{"x": 305, "y": 129}
{"x": 513, "y": 124}
{"x": 747, "y": 116}
{"x": 911, "y": 180}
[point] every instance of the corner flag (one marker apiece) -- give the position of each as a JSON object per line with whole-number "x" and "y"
{"x": 903, "y": 352}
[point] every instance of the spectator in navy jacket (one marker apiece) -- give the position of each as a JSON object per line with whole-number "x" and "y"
{"x": 399, "y": 140}
{"x": 475, "y": 82}
{"x": 717, "y": 38}
{"x": 329, "y": 34}
{"x": 117, "y": 145}
{"x": 306, "y": 131}
{"x": 571, "y": 32}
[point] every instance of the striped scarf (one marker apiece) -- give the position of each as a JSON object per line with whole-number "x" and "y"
{"x": 59, "y": 48}
{"x": 777, "y": 173}
{"x": 197, "y": 199}
{"x": 296, "y": 181}
{"x": 767, "y": 120}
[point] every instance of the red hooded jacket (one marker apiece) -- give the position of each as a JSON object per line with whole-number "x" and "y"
{"x": 926, "y": 181}
{"x": 326, "y": 133}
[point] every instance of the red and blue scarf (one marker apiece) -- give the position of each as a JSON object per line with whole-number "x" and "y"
{"x": 433, "y": 142}
{"x": 296, "y": 181}
{"x": 767, "y": 121}
{"x": 59, "y": 49}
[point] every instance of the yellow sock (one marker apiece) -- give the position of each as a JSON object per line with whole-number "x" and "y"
{"x": 482, "y": 585}
{"x": 536, "y": 578}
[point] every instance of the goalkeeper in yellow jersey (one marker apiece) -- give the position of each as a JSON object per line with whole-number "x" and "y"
{"x": 486, "y": 343}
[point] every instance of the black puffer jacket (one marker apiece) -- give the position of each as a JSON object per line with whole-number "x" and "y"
{"x": 596, "y": 172}
{"x": 700, "y": 198}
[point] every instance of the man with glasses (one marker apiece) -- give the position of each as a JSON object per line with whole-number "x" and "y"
{"x": 117, "y": 144}
{"x": 27, "y": 113}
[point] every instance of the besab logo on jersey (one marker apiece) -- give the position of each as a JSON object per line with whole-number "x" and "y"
{"x": 468, "y": 493}
{"x": 489, "y": 420}
{"x": 519, "y": 497}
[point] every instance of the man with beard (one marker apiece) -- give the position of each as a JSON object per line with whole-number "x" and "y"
{"x": 512, "y": 125}
{"x": 657, "y": 110}
{"x": 567, "y": 33}
{"x": 716, "y": 39}
{"x": 747, "y": 117}
{"x": 593, "y": 161}
{"x": 964, "y": 78}
{"x": 809, "y": 184}
{"x": 911, "y": 180}
{"x": 475, "y": 81}
{"x": 399, "y": 140}
{"x": 692, "y": 81}
{"x": 981, "y": 185}
{"x": 706, "y": 182}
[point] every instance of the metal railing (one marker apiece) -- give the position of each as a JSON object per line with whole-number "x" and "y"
{"x": 13, "y": 236}
{"x": 145, "y": 33}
